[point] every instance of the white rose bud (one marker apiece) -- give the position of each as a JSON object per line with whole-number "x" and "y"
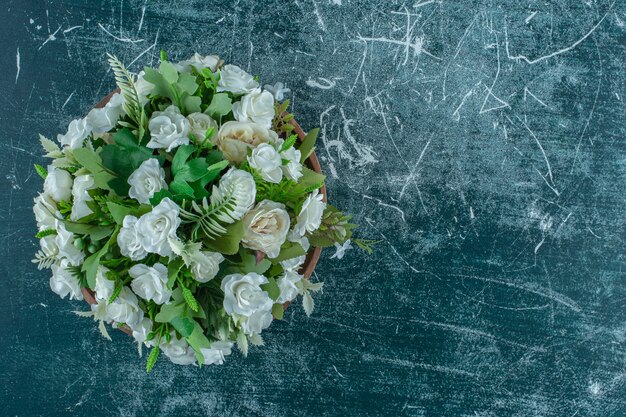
{"x": 310, "y": 217}
{"x": 199, "y": 124}
{"x": 77, "y": 132}
{"x": 64, "y": 283}
{"x": 268, "y": 162}
{"x": 287, "y": 285}
{"x": 58, "y": 184}
{"x": 178, "y": 350}
{"x": 104, "y": 119}
{"x": 125, "y": 308}
{"x": 217, "y": 353}
{"x": 243, "y": 296}
{"x": 156, "y": 227}
{"x": 266, "y": 227}
{"x": 65, "y": 243}
{"x": 45, "y": 210}
{"x": 147, "y": 180}
{"x": 293, "y": 169}
{"x": 168, "y": 129}
{"x": 104, "y": 286}
{"x": 235, "y": 138}
{"x": 205, "y": 265}
{"x": 198, "y": 62}
{"x": 235, "y": 80}
{"x": 82, "y": 184}
{"x": 257, "y": 107}
{"x": 141, "y": 331}
{"x": 129, "y": 240}
{"x": 150, "y": 282}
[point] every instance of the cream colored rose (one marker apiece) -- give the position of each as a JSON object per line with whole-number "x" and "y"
{"x": 200, "y": 123}
{"x": 235, "y": 138}
{"x": 266, "y": 227}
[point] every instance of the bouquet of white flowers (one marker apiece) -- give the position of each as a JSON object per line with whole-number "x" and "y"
{"x": 188, "y": 209}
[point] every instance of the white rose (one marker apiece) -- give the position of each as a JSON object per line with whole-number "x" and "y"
{"x": 148, "y": 179}
{"x": 45, "y": 210}
{"x": 150, "y": 282}
{"x": 217, "y": 353}
{"x": 125, "y": 308}
{"x": 178, "y": 350}
{"x": 287, "y": 285}
{"x": 257, "y": 107}
{"x": 49, "y": 246}
{"x": 235, "y": 80}
{"x": 143, "y": 87}
{"x": 141, "y": 331}
{"x": 64, "y": 283}
{"x": 104, "y": 119}
{"x": 295, "y": 237}
{"x": 293, "y": 169}
{"x": 293, "y": 264}
{"x": 77, "y": 132}
{"x": 241, "y": 185}
{"x": 198, "y": 62}
{"x": 199, "y": 124}
{"x": 104, "y": 286}
{"x": 156, "y": 227}
{"x": 65, "y": 243}
{"x": 129, "y": 240}
{"x": 243, "y": 296}
{"x": 82, "y": 184}
{"x": 266, "y": 227}
{"x": 168, "y": 129}
{"x": 205, "y": 265}
{"x": 268, "y": 162}
{"x": 310, "y": 217}
{"x": 235, "y": 138}
{"x": 58, "y": 184}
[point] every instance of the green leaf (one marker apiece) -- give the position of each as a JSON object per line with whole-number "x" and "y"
{"x": 95, "y": 232}
{"x": 181, "y": 187}
{"x": 41, "y": 171}
{"x": 182, "y": 154}
{"x": 308, "y": 144}
{"x": 289, "y": 250}
{"x": 228, "y": 243}
{"x": 197, "y": 340}
{"x": 289, "y": 142}
{"x": 190, "y": 299}
{"x": 187, "y": 84}
{"x": 152, "y": 358}
{"x": 191, "y": 104}
{"x": 169, "y": 72}
{"x": 92, "y": 162}
{"x": 44, "y": 233}
{"x": 271, "y": 288}
{"x": 183, "y": 325}
{"x": 160, "y": 195}
{"x": 118, "y": 211}
{"x": 311, "y": 180}
{"x": 221, "y": 105}
{"x": 170, "y": 311}
{"x": 90, "y": 266}
{"x": 173, "y": 268}
{"x": 161, "y": 86}
{"x": 278, "y": 311}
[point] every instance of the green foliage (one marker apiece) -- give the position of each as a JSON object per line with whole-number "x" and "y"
{"x": 335, "y": 227}
{"x": 90, "y": 266}
{"x": 278, "y": 311}
{"x": 366, "y": 244}
{"x": 288, "y": 191}
{"x": 271, "y": 288}
{"x": 227, "y": 243}
{"x": 220, "y": 106}
{"x": 92, "y": 162}
{"x": 152, "y": 358}
{"x": 289, "y": 250}
{"x": 282, "y": 119}
{"x": 248, "y": 264}
{"x": 47, "y": 232}
{"x": 173, "y": 268}
{"x": 192, "y": 176}
{"x": 132, "y": 102}
{"x": 189, "y": 298}
{"x": 289, "y": 142}
{"x": 178, "y": 88}
{"x": 308, "y": 144}
{"x": 41, "y": 171}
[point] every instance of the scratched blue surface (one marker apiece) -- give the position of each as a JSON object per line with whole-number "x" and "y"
{"x": 483, "y": 142}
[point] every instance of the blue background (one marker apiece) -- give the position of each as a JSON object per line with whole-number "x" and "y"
{"x": 481, "y": 141}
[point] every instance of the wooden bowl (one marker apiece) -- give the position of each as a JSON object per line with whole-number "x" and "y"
{"x": 311, "y": 258}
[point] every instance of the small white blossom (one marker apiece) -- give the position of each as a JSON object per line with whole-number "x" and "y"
{"x": 141, "y": 331}
{"x": 293, "y": 169}
{"x": 287, "y": 285}
{"x": 198, "y": 62}
{"x": 278, "y": 90}
{"x": 104, "y": 119}
{"x": 244, "y": 297}
{"x": 217, "y": 353}
{"x": 178, "y": 350}
{"x": 235, "y": 138}
{"x": 46, "y": 212}
{"x": 266, "y": 227}
{"x": 65, "y": 242}
{"x": 205, "y": 265}
{"x": 104, "y": 287}
{"x": 341, "y": 249}
{"x": 199, "y": 124}
{"x": 125, "y": 308}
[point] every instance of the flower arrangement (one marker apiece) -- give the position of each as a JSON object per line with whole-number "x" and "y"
{"x": 183, "y": 209}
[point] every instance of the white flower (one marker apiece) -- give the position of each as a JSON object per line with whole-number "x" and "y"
{"x": 198, "y": 62}
{"x": 143, "y": 87}
{"x": 266, "y": 227}
{"x": 287, "y": 285}
{"x": 199, "y": 124}
{"x": 150, "y": 282}
{"x": 268, "y": 162}
{"x": 58, "y": 184}
{"x": 168, "y": 129}
{"x": 257, "y": 107}
{"x": 294, "y": 236}
{"x": 129, "y": 240}
{"x": 45, "y": 210}
{"x": 82, "y": 184}
{"x": 99, "y": 311}
{"x": 310, "y": 217}
{"x": 156, "y": 227}
{"x": 340, "y": 250}
{"x": 64, "y": 283}
{"x": 65, "y": 243}
{"x": 104, "y": 286}
{"x": 278, "y": 90}
{"x": 241, "y": 186}
{"x": 49, "y": 246}
{"x": 217, "y": 353}
{"x": 293, "y": 264}
{"x": 77, "y": 132}
{"x": 293, "y": 169}
{"x": 205, "y": 265}
{"x": 244, "y": 297}
{"x": 141, "y": 331}
{"x": 148, "y": 179}
{"x": 235, "y": 138}
{"x": 178, "y": 350}
{"x": 104, "y": 119}
{"x": 235, "y": 80}
{"x": 125, "y": 308}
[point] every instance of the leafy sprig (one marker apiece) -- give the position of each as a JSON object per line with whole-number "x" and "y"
{"x": 132, "y": 101}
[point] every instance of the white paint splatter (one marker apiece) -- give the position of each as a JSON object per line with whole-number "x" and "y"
{"x": 18, "y": 64}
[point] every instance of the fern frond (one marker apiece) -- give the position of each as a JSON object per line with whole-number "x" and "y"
{"x": 44, "y": 261}
{"x": 132, "y": 102}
